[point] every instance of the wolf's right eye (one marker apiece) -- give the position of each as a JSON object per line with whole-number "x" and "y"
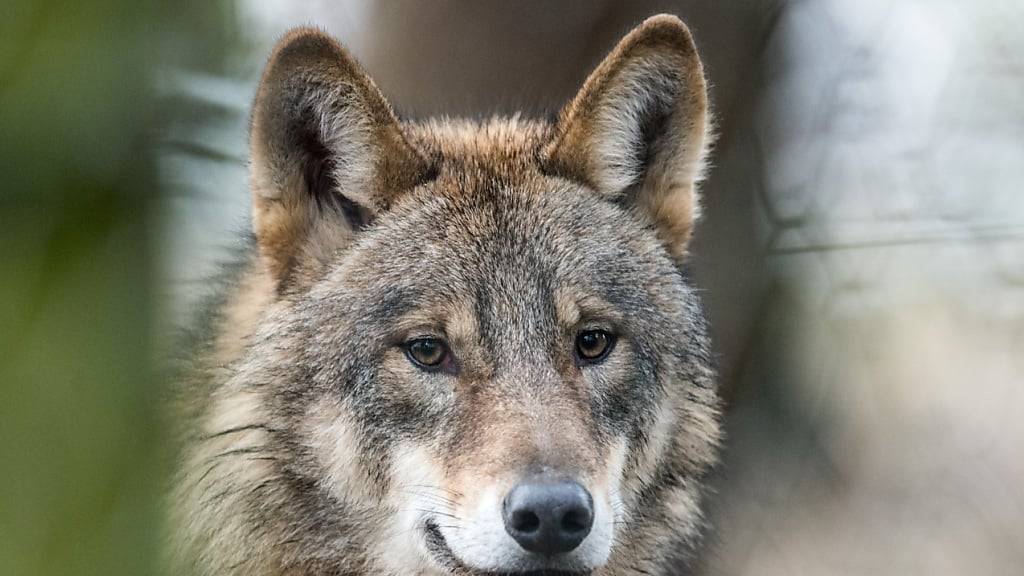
{"x": 427, "y": 353}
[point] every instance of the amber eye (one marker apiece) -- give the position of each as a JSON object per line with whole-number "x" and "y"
{"x": 428, "y": 353}
{"x": 594, "y": 345}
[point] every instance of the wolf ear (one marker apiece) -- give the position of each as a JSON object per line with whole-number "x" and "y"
{"x": 327, "y": 153}
{"x": 638, "y": 129}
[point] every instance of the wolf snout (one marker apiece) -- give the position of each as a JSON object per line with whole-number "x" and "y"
{"x": 548, "y": 516}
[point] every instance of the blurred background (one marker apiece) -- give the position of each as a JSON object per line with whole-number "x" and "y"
{"x": 862, "y": 252}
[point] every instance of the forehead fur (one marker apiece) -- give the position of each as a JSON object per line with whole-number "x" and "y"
{"x": 493, "y": 213}
{"x": 498, "y": 148}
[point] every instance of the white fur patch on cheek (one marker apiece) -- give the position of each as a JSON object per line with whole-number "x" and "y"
{"x": 416, "y": 494}
{"x": 616, "y": 470}
{"x": 330, "y": 433}
{"x": 479, "y": 539}
{"x": 608, "y": 508}
{"x": 659, "y": 439}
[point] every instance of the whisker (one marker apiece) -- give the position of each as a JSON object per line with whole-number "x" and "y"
{"x": 438, "y": 488}
{"x": 245, "y": 428}
{"x": 238, "y": 452}
{"x": 437, "y": 513}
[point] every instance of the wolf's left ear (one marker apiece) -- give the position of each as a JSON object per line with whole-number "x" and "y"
{"x": 637, "y": 131}
{"x": 327, "y": 153}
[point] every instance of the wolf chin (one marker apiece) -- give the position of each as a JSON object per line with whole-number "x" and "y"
{"x": 457, "y": 347}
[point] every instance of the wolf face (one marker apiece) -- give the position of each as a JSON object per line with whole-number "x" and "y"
{"x": 460, "y": 347}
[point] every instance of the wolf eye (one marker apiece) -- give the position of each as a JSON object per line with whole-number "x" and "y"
{"x": 594, "y": 345}
{"x": 428, "y": 353}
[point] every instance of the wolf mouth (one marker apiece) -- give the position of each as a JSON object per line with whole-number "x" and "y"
{"x": 438, "y": 546}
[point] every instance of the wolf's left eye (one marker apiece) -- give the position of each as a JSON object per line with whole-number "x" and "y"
{"x": 594, "y": 345}
{"x": 427, "y": 353}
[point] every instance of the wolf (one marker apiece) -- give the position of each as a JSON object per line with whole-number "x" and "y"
{"x": 458, "y": 347}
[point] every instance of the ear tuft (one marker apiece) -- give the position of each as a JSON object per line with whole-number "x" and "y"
{"x": 637, "y": 130}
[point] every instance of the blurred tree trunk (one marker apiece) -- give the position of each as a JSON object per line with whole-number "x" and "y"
{"x": 81, "y": 449}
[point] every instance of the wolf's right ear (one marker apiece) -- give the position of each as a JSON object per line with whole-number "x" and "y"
{"x": 327, "y": 153}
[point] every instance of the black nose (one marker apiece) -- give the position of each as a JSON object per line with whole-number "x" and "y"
{"x": 548, "y": 517}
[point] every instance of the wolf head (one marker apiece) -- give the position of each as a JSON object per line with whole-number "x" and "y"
{"x": 478, "y": 352}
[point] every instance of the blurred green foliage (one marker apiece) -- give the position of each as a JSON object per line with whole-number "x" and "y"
{"x": 81, "y": 447}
